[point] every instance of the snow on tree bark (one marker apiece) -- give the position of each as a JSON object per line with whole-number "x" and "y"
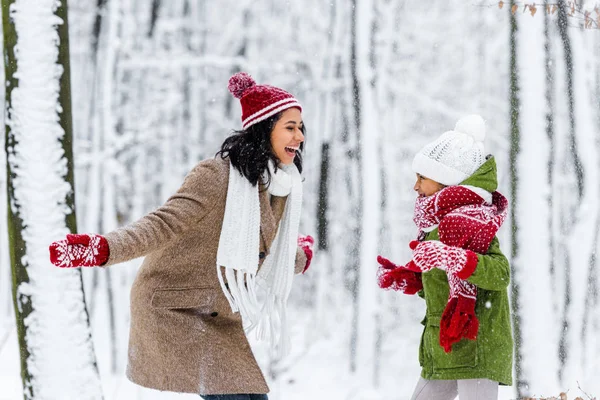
{"x": 57, "y": 356}
{"x": 580, "y": 239}
{"x": 531, "y": 261}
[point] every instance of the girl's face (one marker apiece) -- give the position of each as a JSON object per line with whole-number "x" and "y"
{"x": 426, "y": 187}
{"x": 287, "y": 135}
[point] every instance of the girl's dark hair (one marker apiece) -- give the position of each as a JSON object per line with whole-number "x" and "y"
{"x": 249, "y": 150}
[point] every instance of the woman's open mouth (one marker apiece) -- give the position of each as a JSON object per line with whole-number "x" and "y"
{"x": 291, "y": 151}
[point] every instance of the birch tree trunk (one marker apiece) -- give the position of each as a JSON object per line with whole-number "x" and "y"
{"x": 531, "y": 260}
{"x": 590, "y": 332}
{"x": 520, "y": 378}
{"x": 355, "y": 183}
{"x": 57, "y": 356}
{"x": 581, "y": 243}
{"x": 570, "y": 192}
{"x": 371, "y": 186}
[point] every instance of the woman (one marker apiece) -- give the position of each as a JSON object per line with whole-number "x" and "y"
{"x": 231, "y": 228}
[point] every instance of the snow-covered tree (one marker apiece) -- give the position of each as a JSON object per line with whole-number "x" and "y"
{"x": 57, "y": 356}
{"x": 553, "y": 114}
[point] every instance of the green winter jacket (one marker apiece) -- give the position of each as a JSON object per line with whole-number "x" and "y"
{"x": 490, "y": 355}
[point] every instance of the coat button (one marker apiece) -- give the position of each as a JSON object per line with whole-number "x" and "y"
{"x": 261, "y": 255}
{"x": 214, "y": 314}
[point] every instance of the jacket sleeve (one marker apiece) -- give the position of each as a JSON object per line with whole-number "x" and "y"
{"x": 203, "y": 188}
{"x": 493, "y": 270}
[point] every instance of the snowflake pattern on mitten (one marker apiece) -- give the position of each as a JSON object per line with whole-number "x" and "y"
{"x": 79, "y": 251}
{"x": 435, "y": 254}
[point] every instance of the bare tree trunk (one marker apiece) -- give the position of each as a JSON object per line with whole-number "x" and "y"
{"x": 323, "y": 202}
{"x": 563, "y": 25}
{"x": 521, "y": 383}
{"x": 591, "y": 316}
{"x": 100, "y": 8}
{"x": 566, "y": 220}
{"x": 357, "y": 201}
{"x": 369, "y": 174}
{"x": 531, "y": 205}
{"x": 549, "y": 61}
{"x": 153, "y": 16}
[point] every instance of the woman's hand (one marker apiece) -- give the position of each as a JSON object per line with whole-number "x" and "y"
{"x": 306, "y": 243}
{"x": 79, "y": 251}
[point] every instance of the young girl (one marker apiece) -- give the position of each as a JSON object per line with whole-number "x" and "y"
{"x": 232, "y": 226}
{"x": 458, "y": 268}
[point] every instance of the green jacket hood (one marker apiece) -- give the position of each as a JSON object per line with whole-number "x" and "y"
{"x": 486, "y": 176}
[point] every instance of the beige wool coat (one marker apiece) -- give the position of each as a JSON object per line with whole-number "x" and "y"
{"x": 184, "y": 336}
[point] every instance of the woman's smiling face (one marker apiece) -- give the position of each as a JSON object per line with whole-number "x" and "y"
{"x": 287, "y": 135}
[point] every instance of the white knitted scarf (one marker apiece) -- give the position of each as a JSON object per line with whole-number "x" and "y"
{"x": 263, "y": 311}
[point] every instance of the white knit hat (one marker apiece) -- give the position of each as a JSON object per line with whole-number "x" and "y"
{"x": 455, "y": 155}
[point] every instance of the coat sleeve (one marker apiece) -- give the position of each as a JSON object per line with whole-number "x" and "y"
{"x": 493, "y": 270}
{"x": 300, "y": 261}
{"x": 203, "y": 188}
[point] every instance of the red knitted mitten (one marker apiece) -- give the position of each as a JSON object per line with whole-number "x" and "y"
{"x": 435, "y": 254}
{"x": 306, "y": 243}
{"x": 79, "y": 251}
{"x": 392, "y": 276}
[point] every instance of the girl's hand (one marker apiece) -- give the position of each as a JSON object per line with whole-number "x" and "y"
{"x": 79, "y": 251}
{"x": 435, "y": 254}
{"x": 306, "y": 243}
{"x": 392, "y": 276}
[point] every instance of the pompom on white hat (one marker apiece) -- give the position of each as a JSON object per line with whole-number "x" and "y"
{"x": 455, "y": 155}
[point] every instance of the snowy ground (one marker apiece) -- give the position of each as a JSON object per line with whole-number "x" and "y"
{"x": 317, "y": 368}
{"x": 319, "y": 371}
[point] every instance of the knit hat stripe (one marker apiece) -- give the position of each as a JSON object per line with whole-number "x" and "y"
{"x": 259, "y": 102}
{"x": 270, "y": 110}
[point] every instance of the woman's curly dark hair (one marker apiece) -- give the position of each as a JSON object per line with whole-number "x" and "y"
{"x": 250, "y": 150}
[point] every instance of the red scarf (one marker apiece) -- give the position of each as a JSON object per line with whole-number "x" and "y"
{"x": 464, "y": 220}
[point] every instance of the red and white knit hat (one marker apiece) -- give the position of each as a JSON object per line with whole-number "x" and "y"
{"x": 259, "y": 102}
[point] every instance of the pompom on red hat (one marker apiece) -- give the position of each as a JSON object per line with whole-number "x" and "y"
{"x": 259, "y": 102}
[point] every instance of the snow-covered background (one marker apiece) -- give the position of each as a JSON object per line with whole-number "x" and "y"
{"x": 377, "y": 79}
